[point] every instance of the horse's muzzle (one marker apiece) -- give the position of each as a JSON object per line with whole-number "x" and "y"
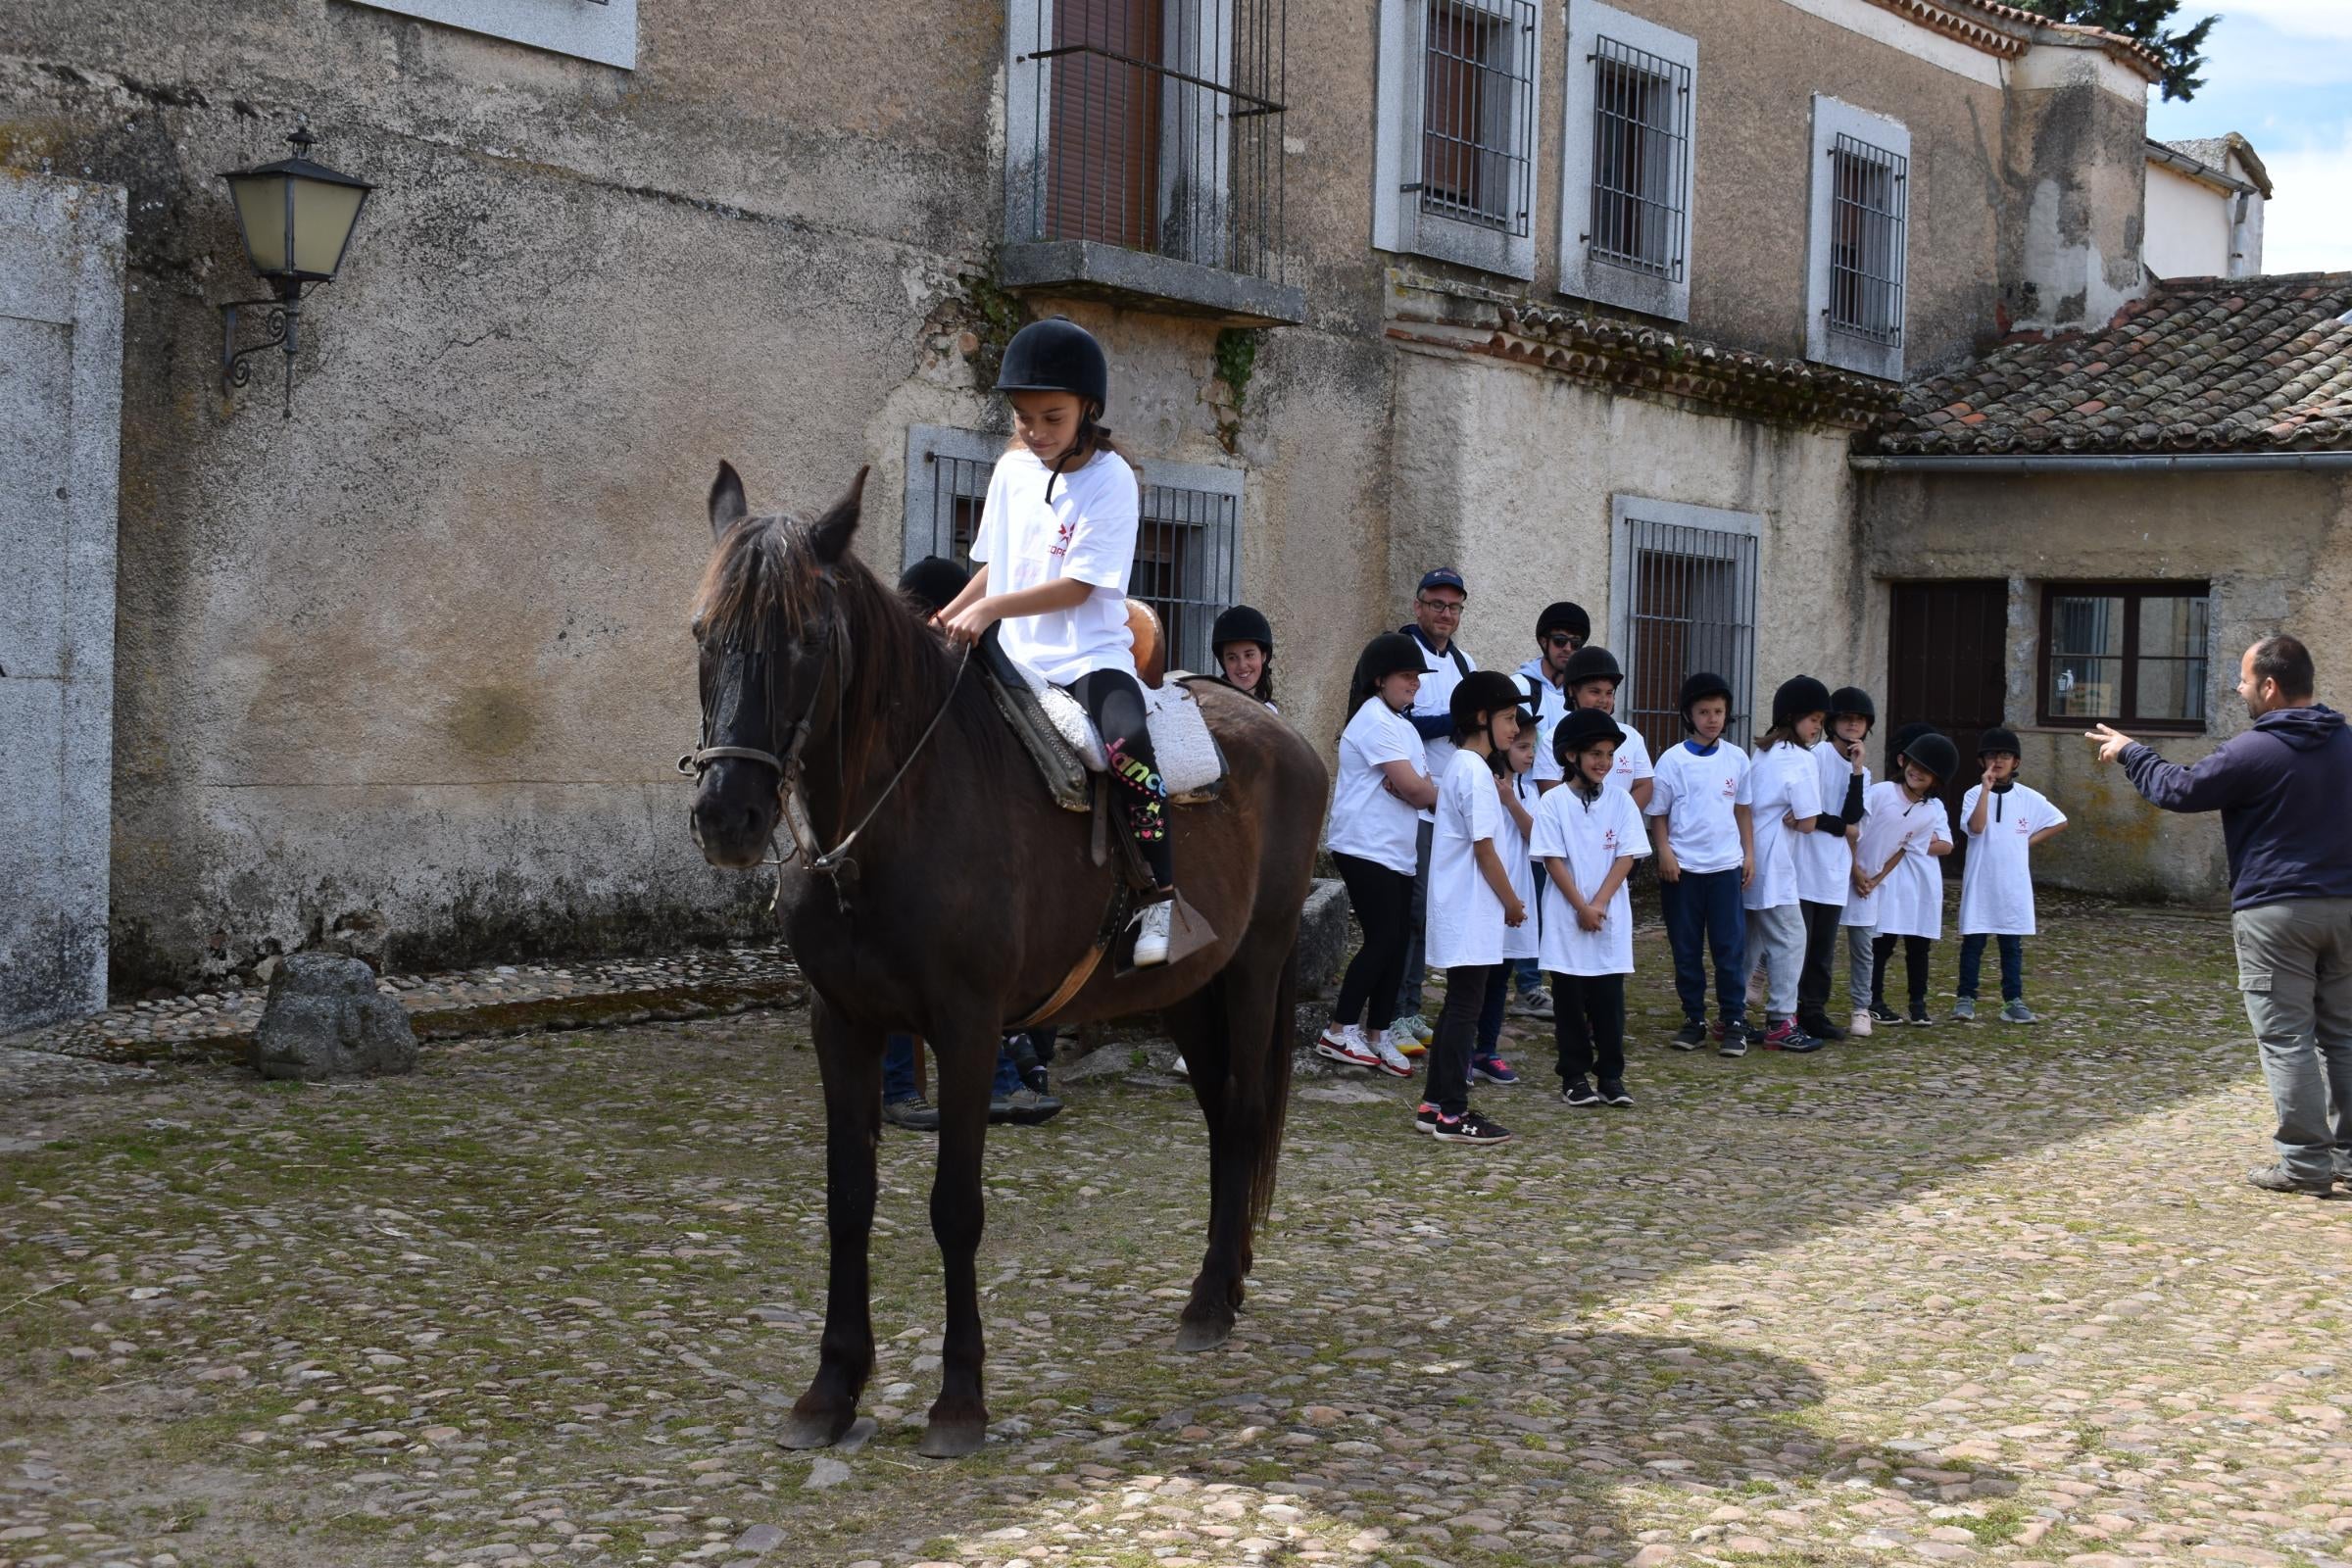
{"x": 732, "y": 826}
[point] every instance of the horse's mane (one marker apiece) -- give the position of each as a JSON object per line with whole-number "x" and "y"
{"x": 764, "y": 589}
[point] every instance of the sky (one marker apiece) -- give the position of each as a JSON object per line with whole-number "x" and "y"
{"x": 2279, "y": 73}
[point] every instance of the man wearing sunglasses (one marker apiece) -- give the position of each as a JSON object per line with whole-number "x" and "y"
{"x": 1560, "y": 630}
{"x": 1437, "y": 625}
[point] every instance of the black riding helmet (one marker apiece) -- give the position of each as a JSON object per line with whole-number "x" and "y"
{"x": 1853, "y": 699}
{"x": 933, "y": 583}
{"x": 1798, "y": 695}
{"x": 1591, "y": 663}
{"x": 1999, "y": 739}
{"x": 1242, "y": 625}
{"x": 1704, "y": 684}
{"x": 1057, "y": 355}
{"x": 1935, "y": 752}
{"x": 1391, "y": 653}
{"x": 1564, "y": 616}
{"x": 1581, "y": 731}
{"x": 1482, "y": 691}
{"x": 1903, "y": 735}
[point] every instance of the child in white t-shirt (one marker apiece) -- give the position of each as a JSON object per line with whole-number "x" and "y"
{"x": 1517, "y": 793}
{"x": 1590, "y": 680}
{"x": 1706, "y": 854}
{"x": 1905, "y": 832}
{"x": 1783, "y": 794}
{"x": 1587, "y": 834}
{"x": 1471, "y": 900}
{"x": 1380, "y": 788}
{"x": 2005, "y": 821}
{"x": 1851, "y": 715}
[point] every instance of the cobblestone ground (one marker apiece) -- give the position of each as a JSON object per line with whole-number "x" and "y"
{"x": 1963, "y": 1294}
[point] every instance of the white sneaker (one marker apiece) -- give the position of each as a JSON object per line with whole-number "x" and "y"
{"x": 1861, "y": 1022}
{"x": 1346, "y": 1042}
{"x": 1183, "y": 1069}
{"x": 1152, "y": 934}
{"x": 1392, "y": 1060}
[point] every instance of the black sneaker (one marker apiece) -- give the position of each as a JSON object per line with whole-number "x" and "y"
{"x": 1613, "y": 1091}
{"x": 1425, "y": 1117}
{"x": 1029, "y": 1106}
{"x": 1880, "y": 1012}
{"x": 916, "y": 1116}
{"x": 1920, "y": 1018}
{"x": 1579, "y": 1091}
{"x": 1819, "y": 1026}
{"x": 1691, "y": 1036}
{"x": 1733, "y": 1041}
{"x": 1469, "y": 1128}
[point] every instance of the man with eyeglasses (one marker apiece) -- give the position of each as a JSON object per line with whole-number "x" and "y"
{"x": 1436, "y": 622}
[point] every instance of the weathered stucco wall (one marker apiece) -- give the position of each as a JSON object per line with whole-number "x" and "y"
{"x": 2275, "y": 548}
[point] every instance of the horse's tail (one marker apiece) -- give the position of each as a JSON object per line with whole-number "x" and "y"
{"x": 1277, "y": 1085}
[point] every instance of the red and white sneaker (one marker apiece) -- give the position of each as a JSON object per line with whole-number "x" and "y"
{"x": 1391, "y": 1059}
{"x": 1347, "y": 1043}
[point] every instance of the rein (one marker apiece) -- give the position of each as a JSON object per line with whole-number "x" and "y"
{"x": 834, "y": 863}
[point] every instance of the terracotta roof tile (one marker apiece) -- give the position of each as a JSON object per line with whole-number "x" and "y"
{"x": 2200, "y": 365}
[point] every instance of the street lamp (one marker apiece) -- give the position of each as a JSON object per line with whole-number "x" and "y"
{"x": 297, "y": 218}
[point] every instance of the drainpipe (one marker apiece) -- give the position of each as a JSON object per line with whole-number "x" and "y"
{"x": 2115, "y": 462}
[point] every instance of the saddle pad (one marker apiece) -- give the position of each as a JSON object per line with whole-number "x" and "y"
{"x": 1188, "y": 758}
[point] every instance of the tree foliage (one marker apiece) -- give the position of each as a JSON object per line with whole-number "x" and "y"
{"x": 2153, "y": 24}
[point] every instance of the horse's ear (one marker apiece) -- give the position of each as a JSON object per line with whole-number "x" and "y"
{"x": 727, "y": 507}
{"x": 837, "y": 527}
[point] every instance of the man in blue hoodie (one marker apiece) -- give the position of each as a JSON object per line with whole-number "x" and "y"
{"x": 2282, "y": 788}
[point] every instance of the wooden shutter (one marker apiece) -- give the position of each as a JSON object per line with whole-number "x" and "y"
{"x": 1102, "y": 156}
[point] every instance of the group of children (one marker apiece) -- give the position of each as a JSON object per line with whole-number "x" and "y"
{"x": 1541, "y": 810}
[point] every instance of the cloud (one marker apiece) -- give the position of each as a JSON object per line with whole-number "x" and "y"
{"x": 2307, "y": 226}
{"x": 2302, "y": 18}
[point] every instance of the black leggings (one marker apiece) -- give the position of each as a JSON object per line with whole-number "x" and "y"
{"x": 1588, "y": 1025}
{"x": 1114, "y": 701}
{"x": 1384, "y": 904}
{"x": 1449, "y": 1086}
{"x": 1821, "y": 950}
{"x": 1915, "y": 969}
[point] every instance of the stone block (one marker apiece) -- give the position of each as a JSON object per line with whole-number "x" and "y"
{"x": 1322, "y": 938}
{"x": 325, "y": 1019}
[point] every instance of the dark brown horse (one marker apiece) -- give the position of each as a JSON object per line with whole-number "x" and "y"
{"x": 962, "y": 904}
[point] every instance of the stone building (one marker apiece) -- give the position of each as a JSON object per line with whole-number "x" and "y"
{"x": 1589, "y": 301}
{"x": 2206, "y": 201}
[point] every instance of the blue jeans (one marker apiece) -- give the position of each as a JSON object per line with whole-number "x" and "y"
{"x": 2013, "y": 966}
{"x": 1526, "y": 973}
{"x": 898, "y": 1071}
{"x": 1703, "y": 907}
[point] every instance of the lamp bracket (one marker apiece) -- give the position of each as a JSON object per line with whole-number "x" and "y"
{"x": 284, "y": 314}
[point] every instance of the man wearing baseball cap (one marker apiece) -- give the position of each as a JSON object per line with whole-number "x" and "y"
{"x": 1435, "y": 626}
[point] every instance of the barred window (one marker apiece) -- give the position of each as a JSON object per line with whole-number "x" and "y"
{"x": 1187, "y": 550}
{"x": 1627, "y": 172}
{"x": 2133, "y": 653}
{"x": 1641, "y": 136}
{"x": 1685, "y": 600}
{"x": 1476, "y": 138}
{"x": 1867, "y": 189}
{"x": 1857, "y": 236}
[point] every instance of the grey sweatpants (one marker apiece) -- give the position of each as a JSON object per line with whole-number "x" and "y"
{"x": 2294, "y": 965}
{"x": 1776, "y": 945}
{"x": 1861, "y": 963}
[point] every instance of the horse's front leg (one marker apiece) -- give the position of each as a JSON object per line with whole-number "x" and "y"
{"x": 850, "y": 1061}
{"x": 967, "y": 1065}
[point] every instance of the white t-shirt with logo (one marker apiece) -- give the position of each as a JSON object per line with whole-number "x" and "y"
{"x": 1591, "y": 836}
{"x": 1440, "y": 675}
{"x": 1996, "y": 885}
{"x": 1464, "y": 923}
{"x": 1781, "y": 782}
{"x": 1087, "y": 533}
{"x": 1367, "y": 821}
{"x": 1910, "y": 902}
{"x": 1519, "y": 941}
{"x": 1825, "y": 861}
{"x": 1696, "y": 793}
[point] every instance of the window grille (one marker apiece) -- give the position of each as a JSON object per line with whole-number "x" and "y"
{"x": 1694, "y": 608}
{"x": 1477, "y": 113}
{"x": 1869, "y": 190}
{"x": 1157, "y": 127}
{"x": 1641, "y": 145}
{"x": 1187, "y": 548}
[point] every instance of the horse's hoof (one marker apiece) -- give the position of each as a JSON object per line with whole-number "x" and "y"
{"x": 1203, "y": 1334}
{"x": 951, "y": 1439}
{"x": 815, "y": 1431}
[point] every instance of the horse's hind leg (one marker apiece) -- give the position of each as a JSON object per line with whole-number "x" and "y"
{"x": 958, "y": 1422}
{"x": 1239, "y": 1007}
{"x": 850, "y": 1064}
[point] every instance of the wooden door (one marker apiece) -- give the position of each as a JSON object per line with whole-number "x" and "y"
{"x": 1948, "y": 648}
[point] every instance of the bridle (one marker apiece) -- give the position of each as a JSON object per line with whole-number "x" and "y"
{"x": 835, "y": 864}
